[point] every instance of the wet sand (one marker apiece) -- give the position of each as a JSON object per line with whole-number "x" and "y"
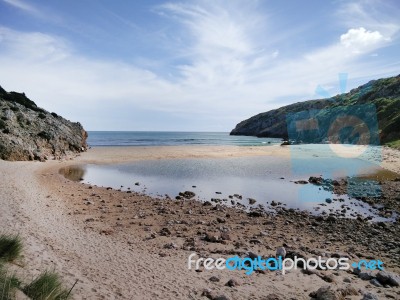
{"x": 121, "y": 245}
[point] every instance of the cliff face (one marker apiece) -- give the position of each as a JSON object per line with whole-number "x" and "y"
{"x": 383, "y": 94}
{"x": 28, "y": 132}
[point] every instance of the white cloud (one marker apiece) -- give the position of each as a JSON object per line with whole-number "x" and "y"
{"x": 229, "y": 73}
{"x": 33, "y": 46}
{"x": 360, "y": 39}
{"x": 41, "y": 13}
{"x": 22, "y": 5}
{"x": 377, "y": 15}
{"x": 275, "y": 54}
{"x": 221, "y": 41}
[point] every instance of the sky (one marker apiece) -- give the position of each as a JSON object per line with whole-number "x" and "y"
{"x": 201, "y": 65}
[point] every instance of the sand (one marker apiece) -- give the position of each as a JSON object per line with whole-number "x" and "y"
{"x": 108, "y": 249}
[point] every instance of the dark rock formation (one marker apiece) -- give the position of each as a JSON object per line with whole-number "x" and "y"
{"x": 382, "y": 94}
{"x": 28, "y": 132}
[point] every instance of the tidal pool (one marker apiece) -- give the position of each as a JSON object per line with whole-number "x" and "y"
{"x": 264, "y": 179}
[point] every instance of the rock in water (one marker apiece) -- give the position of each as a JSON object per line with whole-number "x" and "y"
{"x": 28, "y": 132}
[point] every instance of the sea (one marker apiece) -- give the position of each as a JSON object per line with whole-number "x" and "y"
{"x": 168, "y": 138}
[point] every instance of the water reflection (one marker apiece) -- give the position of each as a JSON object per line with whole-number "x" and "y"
{"x": 74, "y": 173}
{"x": 264, "y": 179}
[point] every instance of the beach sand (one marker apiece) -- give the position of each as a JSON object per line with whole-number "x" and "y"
{"x": 121, "y": 245}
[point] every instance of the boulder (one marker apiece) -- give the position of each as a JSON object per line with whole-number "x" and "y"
{"x": 388, "y": 278}
{"x": 28, "y": 132}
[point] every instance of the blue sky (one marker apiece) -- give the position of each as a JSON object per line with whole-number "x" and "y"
{"x": 190, "y": 65}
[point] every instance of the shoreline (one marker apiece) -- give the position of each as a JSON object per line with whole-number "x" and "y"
{"x": 115, "y": 243}
{"x": 390, "y": 158}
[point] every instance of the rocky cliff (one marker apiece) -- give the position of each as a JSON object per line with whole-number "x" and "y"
{"x": 28, "y": 132}
{"x": 383, "y": 94}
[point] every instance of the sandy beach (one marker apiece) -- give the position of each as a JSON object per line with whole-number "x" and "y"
{"x": 121, "y": 245}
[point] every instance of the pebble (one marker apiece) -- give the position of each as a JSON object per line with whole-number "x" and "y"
{"x": 232, "y": 283}
{"x": 369, "y": 296}
{"x": 252, "y": 201}
{"x": 214, "y": 279}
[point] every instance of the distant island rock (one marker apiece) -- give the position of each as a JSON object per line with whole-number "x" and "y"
{"x": 28, "y": 132}
{"x": 383, "y": 93}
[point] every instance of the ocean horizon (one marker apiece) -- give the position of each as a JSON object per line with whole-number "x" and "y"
{"x": 173, "y": 138}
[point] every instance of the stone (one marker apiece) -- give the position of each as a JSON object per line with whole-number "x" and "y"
{"x": 165, "y": 232}
{"x": 388, "y": 278}
{"x": 252, "y": 201}
{"x": 375, "y": 282}
{"x": 301, "y": 182}
{"x": 207, "y": 293}
{"x": 232, "y": 283}
{"x": 252, "y": 255}
{"x": 170, "y": 246}
{"x": 325, "y": 293}
{"x": 255, "y": 214}
{"x": 348, "y": 291}
{"x": 316, "y": 180}
{"x": 365, "y": 276}
{"x": 214, "y": 279}
{"x": 211, "y": 237}
{"x": 281, "y": 251}
{"x": 225, "y": 236}
{"x": 369, "y": 296}
{"x": 221, "y": 220}
{"x": 187, "y": 194}
{"x": 255, "y": 241}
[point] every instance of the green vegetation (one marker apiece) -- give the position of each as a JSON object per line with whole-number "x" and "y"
{"x": 383, "y": 94}
{"x": 45, "y": 135}
{"x": 394, "y": 144}
{"x": 46, "y": 286}
{"x": 19, "y": 98}
{"x": 8, "y": 284}
{"x": 10, "y": 247}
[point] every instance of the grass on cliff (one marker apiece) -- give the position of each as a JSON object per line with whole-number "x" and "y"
{"x": 394, "y": 144}
{"x": 10, "y": 247}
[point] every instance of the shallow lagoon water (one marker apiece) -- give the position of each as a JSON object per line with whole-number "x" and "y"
{"x": 264, "y": 179}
